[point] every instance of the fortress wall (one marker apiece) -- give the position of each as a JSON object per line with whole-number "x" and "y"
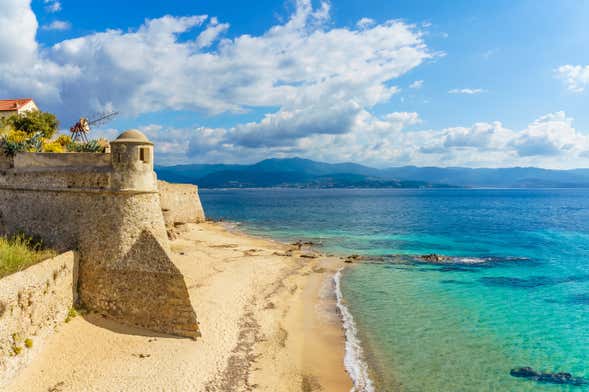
{"x": 107, "y": 207}
{"x": 58, "y": 179}
{"x": 180, "y": 203}
{"x": 126, "y": 271}
{"x": 32, "y": 303}
{"x": 24, "y": 160}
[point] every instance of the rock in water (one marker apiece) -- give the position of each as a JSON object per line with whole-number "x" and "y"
{"x": 434, "y": 258}
{"x": 525, "y": 372}
{"x": 552, "y": 378}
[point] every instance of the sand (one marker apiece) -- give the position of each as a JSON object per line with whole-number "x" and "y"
{"x": 267, "y": 319}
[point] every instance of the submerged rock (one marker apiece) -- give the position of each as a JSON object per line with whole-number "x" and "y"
{"x": 352, "y": 258}
{"x": 434, "y": 258}
{"x": 552, "y": 378}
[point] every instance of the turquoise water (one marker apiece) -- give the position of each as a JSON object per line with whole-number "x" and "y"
{"x": 451, "y": 327}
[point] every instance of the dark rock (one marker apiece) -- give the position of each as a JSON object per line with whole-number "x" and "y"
{"x": 551, "y": 378}
{"x": 525, "y": 372}
{"x": 434, "y": 258}
{"x": 352, "y": 258}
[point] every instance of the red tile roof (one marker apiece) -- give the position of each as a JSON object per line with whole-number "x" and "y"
{"x": 8, "y": 105}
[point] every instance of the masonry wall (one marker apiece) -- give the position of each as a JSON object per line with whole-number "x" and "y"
{"x": 32, "y": 303}
{"x": 180, "y": 203}
{"x": 126, "y": 272}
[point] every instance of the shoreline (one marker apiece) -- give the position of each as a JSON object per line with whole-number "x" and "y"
{"x": 267, "y": 313}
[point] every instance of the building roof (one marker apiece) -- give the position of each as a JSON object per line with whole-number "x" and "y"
{"x": 133, "y": 136}
{"x": 9, "y": 105}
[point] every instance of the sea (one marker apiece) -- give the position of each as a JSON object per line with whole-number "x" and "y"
{"x": 512, "y": 291}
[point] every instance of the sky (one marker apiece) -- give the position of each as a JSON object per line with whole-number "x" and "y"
{"x": 384, "y": 83}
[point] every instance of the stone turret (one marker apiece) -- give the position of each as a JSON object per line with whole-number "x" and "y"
{"x": 132, "y": 162}
{"x": 107, "y": 208}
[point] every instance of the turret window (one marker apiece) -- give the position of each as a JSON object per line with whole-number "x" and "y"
{"x": 144, "y": 154}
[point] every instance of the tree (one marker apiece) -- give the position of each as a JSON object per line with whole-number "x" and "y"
{"x": 32, "y": 122}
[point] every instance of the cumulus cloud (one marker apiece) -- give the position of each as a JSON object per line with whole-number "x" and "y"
{"x": 576, "y": 77}
{"x": 58, "y": 25}
{"x": 365, "y": 23}
{"x": 183, "y": 63}
{"x": 392, "y": 139}
{"x": 416, "y": 84}
{"x": 212, "y": 32}
{"x": 552, "y": 134}
{"x": 549, "y": 141}
{"x": 469, "y": 91}
{"x": 52, "y": 6}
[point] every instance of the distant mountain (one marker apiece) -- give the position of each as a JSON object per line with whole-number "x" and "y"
{"x": 304, "y": 173}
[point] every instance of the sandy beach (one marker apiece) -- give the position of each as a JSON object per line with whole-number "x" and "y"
{"x": 266, "y": 313}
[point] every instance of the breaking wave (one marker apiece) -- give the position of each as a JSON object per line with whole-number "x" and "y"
{"x": 353, "y": 359}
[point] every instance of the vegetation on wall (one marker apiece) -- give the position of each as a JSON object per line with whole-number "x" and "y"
{"x": 33, "y": 132}
{"x": 20, "y": 252}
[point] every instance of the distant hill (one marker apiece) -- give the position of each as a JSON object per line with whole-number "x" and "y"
{"x": 304, "y": 173}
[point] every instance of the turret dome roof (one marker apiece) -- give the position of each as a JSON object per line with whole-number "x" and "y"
{"x": 133, "y": 136}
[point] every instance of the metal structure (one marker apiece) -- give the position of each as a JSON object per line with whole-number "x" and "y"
{"x": 81, "y": 129}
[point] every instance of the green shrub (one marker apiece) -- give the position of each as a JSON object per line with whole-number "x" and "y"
{"x": 20, "y": 252}
{"x": 91, "y": 146}
{"x": 71, "y": 314}
{"x": 33, "y": 122}
{"x": 20, "y": 141}
{"x": 28, "y": 343}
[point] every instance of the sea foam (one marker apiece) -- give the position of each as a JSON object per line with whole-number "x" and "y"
{"x": 353, "y": 359}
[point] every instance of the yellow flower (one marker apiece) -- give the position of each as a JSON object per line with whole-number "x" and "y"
{"x": 17, "y": 136}
{"x": 52, "y": 147}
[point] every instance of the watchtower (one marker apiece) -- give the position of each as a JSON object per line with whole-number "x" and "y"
{"x": 132, "y": 162}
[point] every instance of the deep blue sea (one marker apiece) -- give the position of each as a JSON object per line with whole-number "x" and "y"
{"x": 516, "y": 294}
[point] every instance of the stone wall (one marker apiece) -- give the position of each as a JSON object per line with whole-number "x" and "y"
{"x": 107, "y": 208}
{"x": 180, "y": 203}
{"x": 69, "y": 159}
{"x": 32, "y": 303}
{"x": 126, "y": 272}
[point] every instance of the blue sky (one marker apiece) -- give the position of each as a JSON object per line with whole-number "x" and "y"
{"x": 501, "y": 83}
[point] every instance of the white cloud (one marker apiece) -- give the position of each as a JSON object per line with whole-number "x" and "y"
{"x": 576, "y": 77}
{"x": 320, "y": 82}
{"x": 550, "y": 141}
{"x": 416, "y": 84}
{"x": 469, "y": 91}
{"x": 364, "y": 23}
{"x": 17, "y": 41}
{"x": 52, "y": 6}
{"x": 212, "y": 32}
{"x": 552, "y": 134}
{"x": 59, "y": 25}
{"x": 179, "y": 63}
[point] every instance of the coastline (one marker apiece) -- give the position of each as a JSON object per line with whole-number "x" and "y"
{"x": 266, "y": 312}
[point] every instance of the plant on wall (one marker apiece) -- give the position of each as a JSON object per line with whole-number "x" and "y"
{"x": 19, "y": 141}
